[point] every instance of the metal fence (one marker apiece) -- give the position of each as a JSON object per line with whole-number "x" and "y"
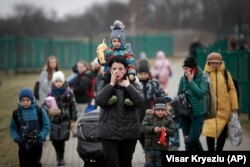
{"x": 28, "y": 54}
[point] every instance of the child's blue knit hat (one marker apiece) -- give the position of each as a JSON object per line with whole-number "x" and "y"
{"x": 118, "y": 31}
{"x": 26, "y": 92}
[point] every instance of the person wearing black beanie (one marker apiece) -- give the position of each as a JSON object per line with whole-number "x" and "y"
{"x": 195, "y": 85}
{"x": 143, "y": 67}
{"x": 189, "y": 62}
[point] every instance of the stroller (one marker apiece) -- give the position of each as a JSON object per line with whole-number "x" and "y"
{"x": 89, "y": 147}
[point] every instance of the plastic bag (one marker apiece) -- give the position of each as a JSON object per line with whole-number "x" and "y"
{"x": 235, "y": 133}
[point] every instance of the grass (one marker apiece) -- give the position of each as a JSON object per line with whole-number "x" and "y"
{"x": 9, "y": 89}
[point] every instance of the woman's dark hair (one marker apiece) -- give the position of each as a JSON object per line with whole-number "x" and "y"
{"x": 121, "y": 60}
{"x": 118, "y": 60}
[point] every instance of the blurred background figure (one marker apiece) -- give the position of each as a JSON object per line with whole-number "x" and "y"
{"x": 97, "y": 71}
{"x": 232, "y": 43}
{"x": 45, "y": 78}
{"x": 81, "y": 86}
{"x": 143, "y": 58}
{"x": 242, "y": 42}
{"x": 70, "y": 79}
{"x": 162, "y": 70}
{"x": 195, "y": 44}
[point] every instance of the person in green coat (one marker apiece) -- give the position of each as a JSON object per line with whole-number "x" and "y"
{"x": 195, "y": 84}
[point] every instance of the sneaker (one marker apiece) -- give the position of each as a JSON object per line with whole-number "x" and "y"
{"x": 128, "y": 102}
{"x": 112, "y": 100}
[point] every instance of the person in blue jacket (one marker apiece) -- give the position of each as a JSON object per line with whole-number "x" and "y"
{"x": 29, "y": 127}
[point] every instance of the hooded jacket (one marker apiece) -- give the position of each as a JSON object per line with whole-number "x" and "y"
{"x": 226, "y": 101}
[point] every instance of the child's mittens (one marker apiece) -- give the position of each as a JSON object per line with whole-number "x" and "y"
{"x": 162, "y": 139}
{"x": 100, "y": 52}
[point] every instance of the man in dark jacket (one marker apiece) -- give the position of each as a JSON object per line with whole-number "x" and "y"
{"x": 119, "y": 125}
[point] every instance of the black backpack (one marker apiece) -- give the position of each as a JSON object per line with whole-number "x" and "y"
{"x": 236, "y": 84}
{"x": 39, "y": 115}
{"x": 36, "y": 90}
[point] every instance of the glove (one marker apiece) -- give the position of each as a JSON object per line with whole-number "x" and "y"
{"x": 100, "y": 52}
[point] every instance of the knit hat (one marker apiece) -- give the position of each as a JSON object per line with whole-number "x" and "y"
{"x": 58, "y": 76}
{"x": 118, "y": 31}
{"x": 214, "y": 57}
{"x": 160, "y": 103}
{"x": 26, "y": 92}
{"x": 143, "y": 67}
{"x": 189, "y": 62}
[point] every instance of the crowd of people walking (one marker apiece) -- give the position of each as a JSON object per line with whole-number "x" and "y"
{"x": 134, "y": 102}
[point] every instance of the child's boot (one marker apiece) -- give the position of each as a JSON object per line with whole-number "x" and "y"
{"x": 128, "y": 102}
{"x": 112, "y": 100}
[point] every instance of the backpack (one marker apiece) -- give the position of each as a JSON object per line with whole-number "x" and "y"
{"x": 210, "y": 100}
{"x": 39, "y": 115}
{"x": 236, "y": 84}
{"x": 36, "y": 90}
{"x": 89, "y": 146}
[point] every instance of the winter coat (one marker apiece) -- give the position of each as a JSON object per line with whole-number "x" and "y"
{"x": 226, "y": 101}
{"x": 81, "y": 86}
{"x": 151, "y": 138}
{"x": 119, "y": 122}
{"x": 124, "y": 52}
{"x": 44, "y": 85}
{"x": 60, "y": 124}
{"x": 196, "y": 91}
{"x": 28, "y": 124}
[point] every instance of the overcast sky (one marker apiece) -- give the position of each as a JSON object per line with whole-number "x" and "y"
{"x": 62, "y": 7}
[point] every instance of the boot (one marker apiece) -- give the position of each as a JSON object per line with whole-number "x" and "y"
{"x": 112, "y": 100}
{"x": 128, "y": 102}
{"x": 60, "y": 159}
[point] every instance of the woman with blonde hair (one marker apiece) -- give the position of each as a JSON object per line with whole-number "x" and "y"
{"x": 226, "y": 101}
